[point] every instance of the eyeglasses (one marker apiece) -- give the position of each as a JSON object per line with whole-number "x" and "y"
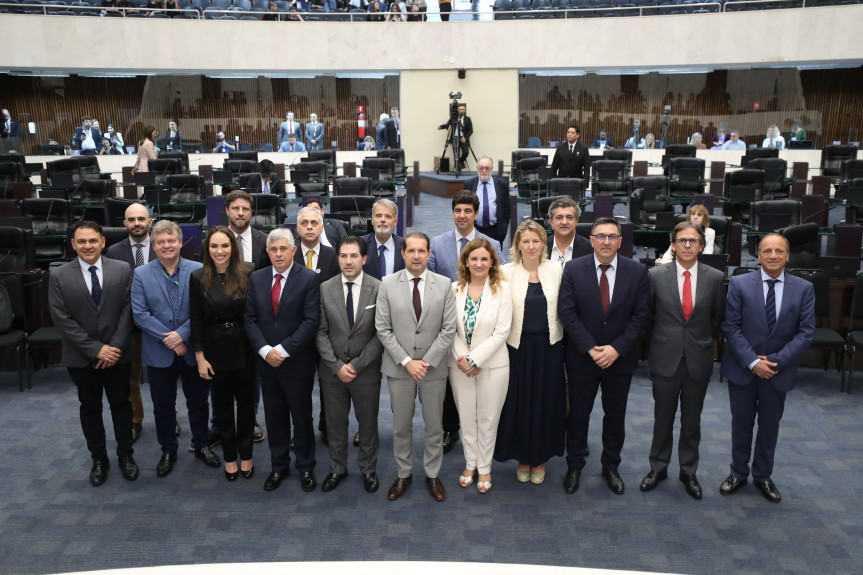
{"x": 687, "y": 241}
{"x": 603, "y": 237}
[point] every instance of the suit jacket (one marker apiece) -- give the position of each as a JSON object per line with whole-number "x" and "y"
{"x": 79, "y": 134}
{"x": 328, "y": 262}
{"x": 259, "y": 248}
{"x": 444, "y": 259}
{"x": 123, "y": 251}
{"x": 580, "y": 246}
{"x": 295, "y": 323}
{"x": 670, "y": 335}
{"x": 580, "y": 310}
{"x": 217, "y": 324}
{"x": 14, "y": 128}
{"x": 152, "y": 311}
{"x": 285, "y": 130}
{"x": 334, "y": 230}
{"x": 609, "y": 143}
{"x": 503, "y": 211}
{"x": 338, "y": 344}
{"x": 493, "y": 322}
{"x": 402, "y": 335}
{"x": 745, "y": 329}
{"x": 391, "y": 135}
{"x": 277, "y": 187}
{"x": 85, "y": 328}
{"x": 549, "y": 277}
{"x": 466, "y": 130}
{"x": 298, "y": 146}
{"x": 571, "y": 165}
{"x": 373, "y": 265}
{"x": 315, "y": 132}
{"x": 175, "y": 142}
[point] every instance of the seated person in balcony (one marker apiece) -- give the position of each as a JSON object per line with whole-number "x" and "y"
{"x": 172, "y": 5}
{"x": 376, "y": 11}
{"x": 86, "y": 137}
{"x": 649, "y": 141}
{"x": 293, "y": 15}
{"x": 698, "y": 141}
{"x": 415, "y": 14}
{"x": 106, "y": 149}
{"x": 173, "y": 137}
{"x": 735, "y": 143}
{"x": 603, "y": 141}
{"x": 398, "y": 12}
{"x": 116, "y": 140}
{"x": 796, "y": 133}
{"x": 273, "y": 13}
{"x": 223, "y": 146}
{"x": 367, "y": 145}
{"x": 720, "y": 137}
{"x": 773, "y": 139}
{"x": 107, "y": 5}
{"x": 636, "y": 142}
{"x": 268, "y": 183}
{"x": 302, "y": 5}
{"x": 155, "y": 6}
{"x": 292, "y": 145}
{"x": 698, "y": 214}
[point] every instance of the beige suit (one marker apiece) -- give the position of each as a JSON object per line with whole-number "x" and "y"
{"x": 480, "y": 399}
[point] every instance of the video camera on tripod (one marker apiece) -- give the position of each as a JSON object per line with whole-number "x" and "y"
{"x": 453, "y": 107}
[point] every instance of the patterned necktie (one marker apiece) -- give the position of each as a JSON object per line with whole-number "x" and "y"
{"x": 309, "y": 255}
{"x": 349, "y": 304}
{"x": 687, "y": 296}
{"x": 96, "y": 288}
{"x": 604, "y": 292}
{"x": 418, "y": 306}
{"x": 240, "y": 246}
{"x": 771, "y": 304}
{"x": 486, "y": 218}
{"x": 139, "y": 255}
{"x": 276, "y": 292}
{"x": 382, "y": 258}
{"x": 461, "y": 244}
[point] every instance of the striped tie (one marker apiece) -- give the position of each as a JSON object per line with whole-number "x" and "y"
{"x": 771, "y": 304}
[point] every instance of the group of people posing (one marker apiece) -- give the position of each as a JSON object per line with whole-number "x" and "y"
{"x": 512, "y": 353}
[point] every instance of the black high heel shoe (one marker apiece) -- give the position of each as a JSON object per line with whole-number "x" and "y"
{"x": 232, "y": 475}
{"x": 248, "y": 474}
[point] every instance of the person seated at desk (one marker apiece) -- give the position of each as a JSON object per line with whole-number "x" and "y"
{"x": 268, "y": 182}
{"x": 796, "y": 133}
{"x": 698, "y": 214}
{"x": 222, "y": 146}
{"x": 636, "y": 142}
{"x": 367, "y": 145}
{"x": 292, "y": 145}
{"x": 603, "y": 141}
{"x": 698, "y": 141}
{"x": 649, "y": 141}
{"x": 107, "y": 149}
{"x": 735, "y": 143}
{"x": 720, "y": 137}
{"x": 773, "y": 139}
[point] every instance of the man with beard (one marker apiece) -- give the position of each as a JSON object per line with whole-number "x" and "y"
{"x": 493, "y": 193}
{"x": 384, "y": 247}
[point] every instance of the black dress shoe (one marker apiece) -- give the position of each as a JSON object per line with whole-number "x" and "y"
{"x": 307, "y": 481}
{"x": 99, "y": 472}
{"x": 652, "y": 479}
{"x": 136, "y": 431}
{"x": 730, "y": 485}
{"x": 769, "y": 491}
{"x": 232, "y": 475}
{"x": 177, "y": 430}
{"x": 166, "y": 464}
{"x": 206, "y": 455}
{"x": 332, "y": 480}
{"x": 693, "y": 488}
{"x": 614, "y": 481}
{"x": 449, "y": 440}
{"x": 570, "y": 482}
{"x": 274, "y": 479}
{"x": 370, "y": 482}
{"x": 258, "y": 434}
{"x": 128, "y": 467}
{"x": 248, "y": 474}
{"x": 357, "y": 439}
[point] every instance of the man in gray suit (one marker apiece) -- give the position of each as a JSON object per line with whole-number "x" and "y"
{"x": 688, "y": 303}
{"x": 350, "y": 363}
{"x": 416, "y": 323}
{"x": 90, "y": 304}
{"x": 445, "y": 251}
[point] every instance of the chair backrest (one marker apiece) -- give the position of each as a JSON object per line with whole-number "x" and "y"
{"x": 92, "y": 191}
{"x": 821, "y": 286}
{"x": 775, "y": 175}
{"x": 13, "y": 167}
{"x": 745, "y": 184}
{"x": 528, "y": 168}
{"x": 113, "y": 235}
{"x": 50, "y": 216}
{"x": 265, "y": 147}
{"x": 326, "y": 156}
{"x": 572, "y": 187}
{"x": 243, "y": 155}
{"x": 611, "y": 176}
{"x": 534, "y": 141}
{"x": 358, "y": 205}
{"x": 398, "y": 156}
{"x": 62, "y": 166}
{"x": 833, "y": 156}
{"x": 804, "y": 243}
{"x": 302, "y": 189}
{"x": 265, "y": 210}
{"x": 658, "y": 183}
{"x": 244, "y": 179}
{"x": 183, "y": 157}
{"x": 15, "y": 288}
{"x": 852, "y": 169}
{"x": 757, "y": 153}
{"x": 16, "y": 249}
{"x": 624, "y": 155}
{"x": 771, "y": 215}
{"x": 88, "y": 166}
{"x": 386, "y": 167}
{"x": 352, "y": 187}
{"x": 857, "y": 300}
{"x": 317, "y": 171}
{"x": 539, "y": 208}
{"x": 518, "y": 155}
{"x": 676, "y": 151}
{"x": 116, "y": 208}
{"x": 164, "y": 167}
{"x": 185, "y": 188}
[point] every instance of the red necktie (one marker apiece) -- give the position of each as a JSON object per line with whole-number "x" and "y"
{"x": 276, "y": 292}
{"x": 418, "y": 307}
{"x": 687, "y": 296}
{"x": 604, "y": 293}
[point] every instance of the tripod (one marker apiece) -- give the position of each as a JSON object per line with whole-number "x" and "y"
{"x": 452, "y": 139}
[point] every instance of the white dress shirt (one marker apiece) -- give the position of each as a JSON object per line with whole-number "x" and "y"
{"x": 693, "y": 280}
{"x": 556, "y": 255}
{"x": 778, "y": 292}
{"x": 266, "y": 349}
{"x": 390, "y": 252}
{"x": 246, "y": 239}
{"x": 315, "y": 256}
{"x": 85, "y": 270}
{"x": 145, "y": 248}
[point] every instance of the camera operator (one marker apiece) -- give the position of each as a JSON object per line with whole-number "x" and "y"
{"x": 464, "y": 129}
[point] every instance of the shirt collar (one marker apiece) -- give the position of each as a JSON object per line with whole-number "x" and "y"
{"x": 317, "y": 248}
{"x": 693, "y": 271}
{"x": 390, "y": 243}
{"x": 357, "y": 282}
{"x": 765, "y": 277}
{"x": 469, "y": 237}
{"x": 86, "y": 267}
{"x": 284, "y": 273}
{"x": 145, "y": 242}
{"x": 422, "y": 276}
{"x": 597, "y": 263}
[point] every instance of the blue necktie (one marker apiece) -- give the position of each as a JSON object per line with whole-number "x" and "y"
{"x": 462, "y": 243}
{"x": 486, "y": 219}
{"x": 266, "y": 187}
{"x": 382, "y": 259}
{"x": 96, "y": 288}
{"x": 349, "y": 304}
{"x": 771, "y": 304}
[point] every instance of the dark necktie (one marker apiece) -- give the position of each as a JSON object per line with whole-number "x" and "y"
{"x": 240, "y": 246}
{"x": 461, "y": 244}
{"x": 485, "y": 215}
{"x": 771, "y": 304}
{"x": 571, "y": 148}
{"x": 687, "y": 296}
{"x": 604, "y": 292}
{"x": 349, "y": 304}
{"x": 276, "y": 292}
{"x": 96, "y": 288}
{"x": 418, "y": 306}
{"x": 139, "y": 255}
{"x": 382, "y": 258}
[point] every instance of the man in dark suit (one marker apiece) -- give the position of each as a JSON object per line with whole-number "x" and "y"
{"x": 463, "y": 130}
{"x": 267, "y": 183}
{"x": 564, "y": 244}
{"x": 769, "y": 323}
{"x": 391, "y": 134}
{"x": 311, "y": 253}
{"x": 334, "y": 230}
{"x": 87, "y": 138}
{"x": 350, "y": 363}
{"x": 688, "y": 301}
{"x": 603, "y": 306}
{"x": 136, "y": 250}
{"x": 494, "y": 209}
{"x": 90, "y": 305}
{"x": 571, "y": 158}
{"x": 384, "y": 246}
{"x": 9, "y": 132}
{"x": 283, "y": 309}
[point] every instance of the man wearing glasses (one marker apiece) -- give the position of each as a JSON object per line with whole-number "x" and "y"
{"x": 688, "y": 301}
{"x": 564, "y": 244}
{"x": 493, "y": 193}
{"x": 603, "y": 306}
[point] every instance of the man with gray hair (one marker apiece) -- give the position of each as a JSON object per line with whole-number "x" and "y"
{"x": 384, "y": 246}
{"x": 564, "y": 244}
{"x": 282, "y": 315}
{"x": 311, "y": 253}
{"x": 380, "y": 132}
{"x": 493, "y": 193}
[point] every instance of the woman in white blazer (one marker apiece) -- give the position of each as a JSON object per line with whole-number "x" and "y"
{"x": 479, "y": 362}
{"x": 533, "y": 420}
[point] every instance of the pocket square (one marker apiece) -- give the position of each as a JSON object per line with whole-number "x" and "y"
{"x": 370, "y": 306}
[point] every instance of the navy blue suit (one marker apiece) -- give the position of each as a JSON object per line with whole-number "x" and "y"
{"x": 373, "y": 264}
{"x": 579, "y": 308}
{"x": 745, "y": 329}
{"x": 287, "y": 389}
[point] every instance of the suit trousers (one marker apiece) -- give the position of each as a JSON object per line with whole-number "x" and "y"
{"x": 230, "y": 386}
{"x": 114, "y": 381}
{"x": 288, "y": 398}
{"x": 758, "y": 399}
{"x": 403, "y": 394}
{"x": 135, "y": 378}
{"x": 582, "y": 394}
{"x": 450, "y": 418}
{"x": 480, "y": 400}
{"x": 666, "y": 393}
{"x": 163, "y": 391}
{"x": 366, "y": 397}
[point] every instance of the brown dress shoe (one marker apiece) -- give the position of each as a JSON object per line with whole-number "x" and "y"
{"x": 398, "y": 488}
{"x": 436, "y": 488}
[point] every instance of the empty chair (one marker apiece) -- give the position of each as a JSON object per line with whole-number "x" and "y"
{"x": 89, "y": 200}
{"x": 855, "y": 336}
{"x": 352, "y": 187}
{"x": 825, "y": 339}
{"x": 851, "y": 170}
{"x": 116, "y": 210}
{"x": 16, "y": 336}
{"x": 534, "y": 142}
{"x": 521, "y": 5}
{"x": 609, "y": 176}
{"x": 502, "y": 6}
{"x": 677, "y": 151}
{"x": 20, "y": 162}
{"x": 304, "y": 189}
{"x": 776, "y": 184}
{"x": 243, "y": 4}
{"x": 164, "y": 167}
{"x": 316, "y": 171}
{"x": 832, "y": 158}
{"x": 354, "y": 211}
{"x": 8, "y": 178}
{"x": 182, "y": 157}
{"x": 756, "y": 153}
{"x": 529, "y": 182}
{"x": 686, "y": 176}
{"x": 16, "y": 249}
{"x": 386, "y": 168}
{"x": 237, "y": 167}
{"x": 326, "y": 156}
{"x": 572, "y": 187}
{"x": 805, "y": 245}
{"x": 185, "y": 199}
{"x": 624, "y": 155}
{"x": 51, "y": 217}
{"x": 265, "y": 147}
{"x": 398, "y": 156}
{"x": 243, "y": 155}
{"x": 772, "y": 215}
{"x": 266, "y": 210}
{"x": 741, "y": 188}
{"x": 516, "y": 156}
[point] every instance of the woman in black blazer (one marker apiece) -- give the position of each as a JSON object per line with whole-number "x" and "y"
{"x": 217, "y": 302}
